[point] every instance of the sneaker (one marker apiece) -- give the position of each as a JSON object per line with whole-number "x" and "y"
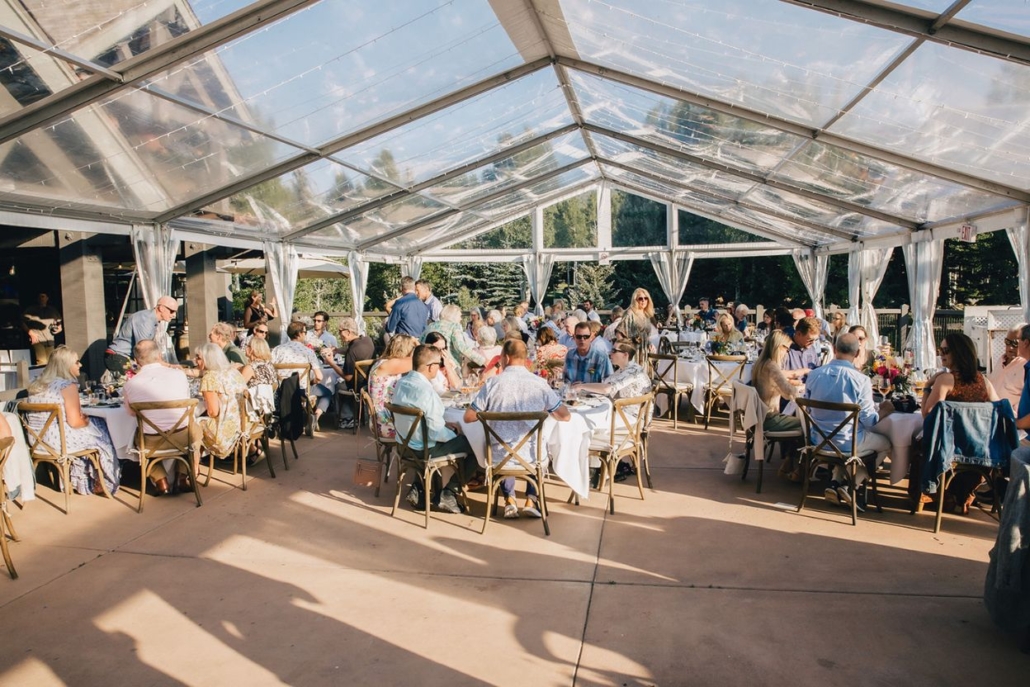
{"x": 531, "y": 510}
{"x": 832, "y": 494}
{"x": 347, "y": 424}
{"x": 511, "y": 510}
{"x": 416, "y": 498}
{"x": 449, "y": 503}
{"x": 845, "y": 498}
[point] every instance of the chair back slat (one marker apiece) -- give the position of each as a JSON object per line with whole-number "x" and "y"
{"x": 417, "y": 422}
{"x": 664, "y": 371}
{"x": 37, "y": 445}
{"x": 625, "y": 430}
{"x": 825, "y": 443}
{"x": 170, "y": 439}
{"x": 719, "y": 377}
{"x": 489, "y": 419}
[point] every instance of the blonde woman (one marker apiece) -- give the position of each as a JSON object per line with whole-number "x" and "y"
{"x": 220, "y": 385}
{"x": 726, "y": 331}
{"x": 775, "y": 389}
{"x": 260, "y": 369}
{"x": 383, "y": 375}
{"x": 638, "y": 323}
{"x": 59, "y": 384}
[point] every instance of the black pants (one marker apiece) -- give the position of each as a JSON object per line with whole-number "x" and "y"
{"x": 116, "y": 362}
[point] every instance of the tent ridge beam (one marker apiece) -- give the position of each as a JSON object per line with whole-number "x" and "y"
{"x": 365, "y": 245}
{"x": 896, "y": 19}
{"x": 429, "y": 183}
{"x": 828, "y": 231}
{"x": 365, "y": 134}
{"x": 88, "y": 65}
{"x": 751, "y": 176}
{"x": 796, "y": 129}
{"x": 147, "y": 64}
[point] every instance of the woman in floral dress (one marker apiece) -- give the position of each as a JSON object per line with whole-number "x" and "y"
{"x": 59, "y": 384}
{"x": 383, "y": 376}
{"x": 220, "y": 387}
{"x": 550, "y": 356}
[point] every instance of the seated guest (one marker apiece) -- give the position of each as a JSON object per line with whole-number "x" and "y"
{"x": 585, "y": 363}
{"x": 550, "y": 355}
{"x": 707, "y": 314}
{"x": 321, "y": 332}
{"x": 458, "y": 345}
{"x": 776, "y": 390}
{"x": 630, "y": 379}
{"x": 512, "y": 324}
{"x": 156, "y": 381}
{"x": 516, "y": 390}
{"x": 493, "y": 319}
{"x": 766, "y": 325}
{"x": 1008, "y": 373}
{"x": 415, "y": 390}
{"x": 554, "y": 322}
{"x": 447, "y": 377}
{"x": 359, "y": 347}
{"x": 803, "y": 356}
{"x": 740, "y": 314}
{"x": 568, "y": 336}
{"x": 784, "y": 321}
{"x": 838, "y": 324}
{"x": 486, "y": 337}
{"x": 59, "y": 383}
{"x": 840, "y": 382}
{"x": 475, "y": 322}
{"x": 865, "y": 345}
{"x": 220, "y": 386}
{"x": 959, "y": 381}
{"x": 383, "y": 375}
{"x": 259, "y": 369}
{"x": 139, "y": 326}
{"x": 222, "y": 335}
{"x": 295, "y": 351}
{"x": 598, "y": 341}
{"x": 726, "y": 332}
{"x": 613, "y": 325}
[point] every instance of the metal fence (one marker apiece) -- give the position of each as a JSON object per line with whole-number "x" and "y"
{"x": 944, "y": 321}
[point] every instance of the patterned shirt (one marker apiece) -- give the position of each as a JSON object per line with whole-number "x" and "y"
{"x": 294, "y": 352}
{"x": 515, "y": 390}
{"x": 592, "y": 367}
{"x": 628, "y": 382}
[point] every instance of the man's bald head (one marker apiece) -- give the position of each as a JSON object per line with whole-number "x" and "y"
{"x": 846, "y": 347}
{"x": 146, "y": 352}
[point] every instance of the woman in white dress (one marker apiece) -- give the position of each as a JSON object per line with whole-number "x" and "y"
{"x": 59, "y": 384}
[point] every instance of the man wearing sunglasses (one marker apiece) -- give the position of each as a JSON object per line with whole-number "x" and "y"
{"x": 1007, "y": 375}
{"x": 586, "y": 363}
{"x": 140, "y": 326}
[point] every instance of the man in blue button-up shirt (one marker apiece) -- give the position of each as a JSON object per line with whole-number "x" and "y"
{"x": 584, "y": 363}
{"x": 409, "y": 315}
{"x": 840, "y": 382}
{"x": 415, "y": 390}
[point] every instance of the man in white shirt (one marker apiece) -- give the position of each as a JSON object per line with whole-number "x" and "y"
{"x": 156, "y": 381}
{"x": 1007, "y": 376}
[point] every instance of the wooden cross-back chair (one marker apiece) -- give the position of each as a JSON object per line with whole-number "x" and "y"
{"x": 513, "y": 463}
{"x": 665, "y": 380}
{"x": 384, "y": 445}
{"x": 180, "y": 442}
{"x": 6, "y": 525}
{"x": 354, "y": 391}
{"x": 720, "y": 380}
{"x": 624, "y": 440}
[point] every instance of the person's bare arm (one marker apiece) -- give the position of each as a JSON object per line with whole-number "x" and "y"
{"x": 562, "y": 414}
{"x": 211, "y": 402}
{"x": 72, "y": 409}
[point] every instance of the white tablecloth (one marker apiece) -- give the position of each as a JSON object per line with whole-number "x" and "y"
{"x": 568, "y": 443}
{"x": 120, "y": 425}
{"x": 696, "y": 373}
{"x": 18, "y": 474}
{"x": 900, "y": 428}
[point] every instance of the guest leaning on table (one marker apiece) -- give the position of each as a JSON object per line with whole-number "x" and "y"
{"x": 840, "y": 382}
{"x": 516, "y": 390}
{"x": 415, "y": 390}
{"x": 156, "y": 381}
{"x": 59, "y": 384}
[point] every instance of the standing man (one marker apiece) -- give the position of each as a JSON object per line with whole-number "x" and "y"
{"x": 42, "y": 322}
{"x": 322, "y": 333}
{"x": 140, "y": 326}
{"x": 415, "y": 390}
{"x": 424, "y": 291}
{"x": 156, "y": 381}
{"x": 839, "y": 381}
{"x": 222, "y": 335}
{"x": 516, "y": 390}
{"x": 360, "y": 347}
{"x": 588, "y": 308}
{"x": 409, "y": 314}
{"x": 585, "y": 363}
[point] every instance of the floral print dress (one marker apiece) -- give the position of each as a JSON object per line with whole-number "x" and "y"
{"x": 380, "y": 389}
{"x": 94, "y": 435}
{"x": 221, "y": 433}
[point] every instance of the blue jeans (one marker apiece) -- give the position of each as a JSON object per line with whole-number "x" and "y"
{"x": 508, "y": 488}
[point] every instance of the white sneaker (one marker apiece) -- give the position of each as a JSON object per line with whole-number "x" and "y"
{"x": 831, "y": 494}
{"x": 511, "y": 510}
{"x": 531, "y": 510}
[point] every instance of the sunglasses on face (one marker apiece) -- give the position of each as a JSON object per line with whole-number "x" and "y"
{"x": 582, "y": 337}
{"x": 261, "y": 331}
{"x": 1011, "y": 343}
{"x": 945, "y": 350}
{"x": 170, "y": 311}
{"x": 642, "y": 299}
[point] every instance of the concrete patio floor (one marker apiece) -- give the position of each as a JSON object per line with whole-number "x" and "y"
{"x": 307, "y": 580}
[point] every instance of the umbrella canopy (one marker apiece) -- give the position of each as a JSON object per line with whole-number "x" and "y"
{"x": 307, "y": 268}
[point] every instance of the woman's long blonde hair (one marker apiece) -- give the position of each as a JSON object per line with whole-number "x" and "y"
{"x": 58, "y": 367}
{"x": 649, "y": 310}
{"x": 772, "y": 351}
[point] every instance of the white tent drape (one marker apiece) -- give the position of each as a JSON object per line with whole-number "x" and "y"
{"x": 538, "y": 272}
{"x": 866, "y": 269}
{"x": 1019, "y": 237}
{"x": 358, "y": 283}
{"x": 812, "y": 269}
{"x": 673, "y": 270}
{"x": 412, "y": 267}
{"x": 281, "y": 267}
{"x": 923, "y": 260}
{"x": 155, "y": 248}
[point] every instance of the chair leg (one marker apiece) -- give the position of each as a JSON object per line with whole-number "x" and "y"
{"x": 541, "y": 501}
{"x": 852, "y": 477}
{"x": 427, "y": 484}
{"x": 761, "y": 473}
{"x": 806, "y": 466}
{"x": 66, "y": 475}
{"x": 5, "y": 523}
{"x": 268, "y": 455}
{"x": 210, "y": 468}
{"x": 244, "y": 445}
{"x": 942, "y": 486}
{"x": 144, "y": 468}
{"x": 647, "y": 463}
{"x": 640, "y": 478}
{"x": 491, "y": 489}
{"x": 397, "y": 496}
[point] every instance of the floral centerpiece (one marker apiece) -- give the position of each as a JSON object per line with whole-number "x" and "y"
{"x": 885, "y": 367}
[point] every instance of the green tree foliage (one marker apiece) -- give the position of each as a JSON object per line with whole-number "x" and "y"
{"x": 594, "y": 283}
{"x": 572, "y": 223}
{"x": 637, "y": 221}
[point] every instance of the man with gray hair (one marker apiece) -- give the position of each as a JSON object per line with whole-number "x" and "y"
{"x": 140, "y": 326}
{"x": 1007, "y": 375}
{"x": 839, "y": 381}
{"x": 740, "y": 314}
{"x": 360, "y": 347}
{"x": 494, "y": 319}
{"x": 568, "y": 337}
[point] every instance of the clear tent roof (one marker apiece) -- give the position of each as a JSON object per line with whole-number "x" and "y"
{"x": 407, "y": 128}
